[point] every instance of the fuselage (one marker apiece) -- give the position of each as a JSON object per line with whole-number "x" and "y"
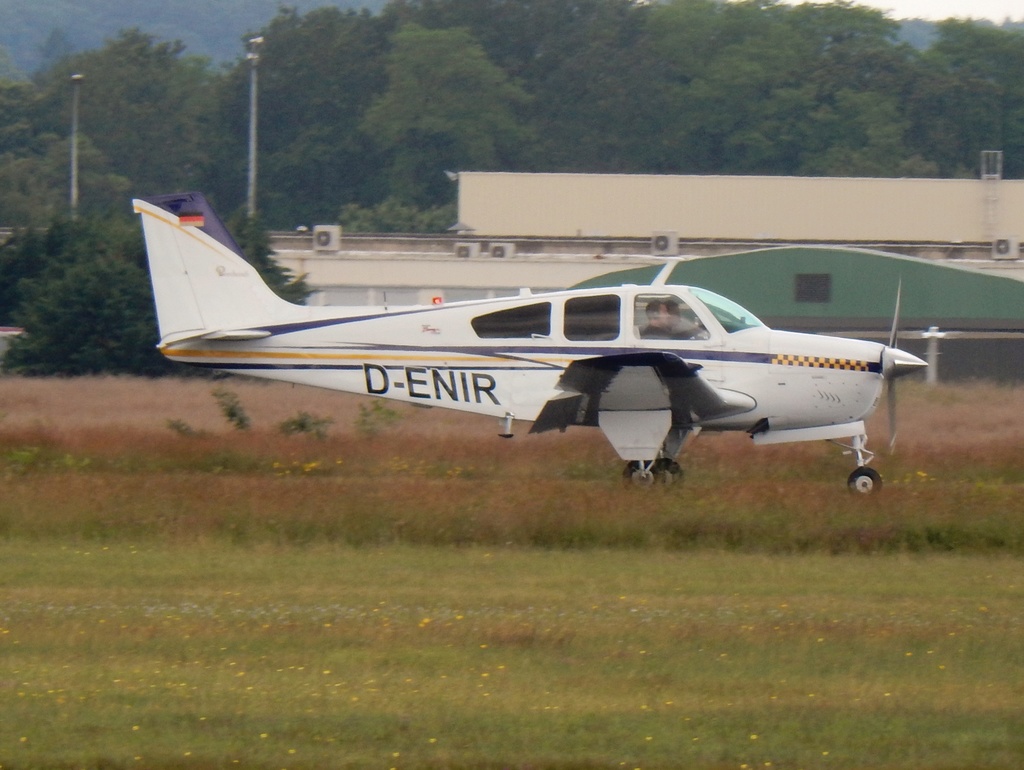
{"x": 504, "y": 357}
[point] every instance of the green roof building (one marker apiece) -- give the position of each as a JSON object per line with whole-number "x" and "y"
{"x": 825, "y": 289}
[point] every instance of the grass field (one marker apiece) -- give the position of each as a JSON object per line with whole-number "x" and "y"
{"x": 413, "y": 592}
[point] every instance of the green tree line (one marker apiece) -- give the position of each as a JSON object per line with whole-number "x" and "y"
{"x": 360, "y": 115}
{"x": 360, "y": 109}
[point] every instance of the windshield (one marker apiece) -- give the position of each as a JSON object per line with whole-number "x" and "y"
{"x": 733, "y": 317}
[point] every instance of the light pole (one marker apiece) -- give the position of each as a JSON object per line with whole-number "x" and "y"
{"x": 254, "y": 60}
{"x": 933, "y": 335}
{"x": 76, "y": 86}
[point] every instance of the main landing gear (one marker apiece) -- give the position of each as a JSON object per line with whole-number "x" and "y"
{"x": 663, "y": 469}
{"x": 644, "y": 474}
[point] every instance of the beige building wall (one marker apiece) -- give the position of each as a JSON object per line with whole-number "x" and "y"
{"x": 741, "y": 207}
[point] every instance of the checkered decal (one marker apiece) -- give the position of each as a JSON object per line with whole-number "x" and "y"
{"x": 822, "y": 362}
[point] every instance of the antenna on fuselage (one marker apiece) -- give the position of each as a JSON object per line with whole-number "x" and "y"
{"x": 662, "y": 277}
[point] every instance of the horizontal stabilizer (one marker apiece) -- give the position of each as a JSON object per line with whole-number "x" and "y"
{"x": 236, "y": 335}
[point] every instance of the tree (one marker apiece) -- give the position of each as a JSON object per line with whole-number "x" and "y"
{"x": 971, "y": 98}
{"x": 740, "y": 86}
{"x": 446, "y": 107}
{"x": 598, "y": 101}
{"x": 94, "y": 318}
{"x": 861, "y": 78}
{"x": 21, "y": 259}
{"x": 767, "y": 88}
{"x": 29, "y": 185}
{"x": 865, "y": 131}
{"x": 601, "y": 103}
{"x": 317, "y": 76}
{"x": 144, "y": 107}
{"x": 90, "y": 310}
{"x": 34, "y": 182}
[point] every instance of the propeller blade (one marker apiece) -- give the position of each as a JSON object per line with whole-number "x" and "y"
{"x": 890, "y": 398}
{"x": 896, "y": 363}
{"x": 894, "y": 332}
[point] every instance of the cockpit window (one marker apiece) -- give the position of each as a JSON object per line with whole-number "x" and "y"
{"x": 732, "y": 316}
{"x": 592, "y": 318}
{"x": 666, "y": 317}
{"x": 524, "y": 322}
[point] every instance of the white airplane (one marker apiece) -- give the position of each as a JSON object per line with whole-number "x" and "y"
{"x": 652, "y": 365}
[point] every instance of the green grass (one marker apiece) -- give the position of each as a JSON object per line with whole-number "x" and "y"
{"x": 124, "y": 655}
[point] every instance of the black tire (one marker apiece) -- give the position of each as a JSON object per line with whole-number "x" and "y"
{"x": 668, "y": 471}
{"x": 635, "y": 474}
{"x": 864, "y": 481}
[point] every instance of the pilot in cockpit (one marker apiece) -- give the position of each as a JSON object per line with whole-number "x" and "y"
{"x": 666, "y": 322}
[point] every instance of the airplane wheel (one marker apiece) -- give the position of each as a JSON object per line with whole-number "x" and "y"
{"x": 864, "y": 481}
{"x": 642, "y": 478}
{"x": 664, "y": 471}
{"x": 635, "y": 474}
{"x": 668, "y": 471}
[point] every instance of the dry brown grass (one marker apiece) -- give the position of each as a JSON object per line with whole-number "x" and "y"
{"x": 96, "y": 457}
{"x": 942, "y": 431}
{"x": 112, "y": 414}
{"x": 145, "y": 404}
{"x": 961, "y": 417}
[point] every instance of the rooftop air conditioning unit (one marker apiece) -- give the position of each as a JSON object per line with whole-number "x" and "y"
{"x": 467, "y": 250}
{"x": 503, "y": 250}
{"x": 665, "y": 243}
{"x": 1006, "y": 248}
{"x": 327, "y": 238}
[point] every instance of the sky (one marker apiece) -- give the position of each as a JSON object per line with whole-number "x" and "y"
{"x": 993, "y": 10}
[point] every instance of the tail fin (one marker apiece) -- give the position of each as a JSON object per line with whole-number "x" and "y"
{"x": 202, "y": 283}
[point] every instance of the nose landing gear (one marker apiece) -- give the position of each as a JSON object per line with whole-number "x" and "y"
{"x": 863, "y": 480}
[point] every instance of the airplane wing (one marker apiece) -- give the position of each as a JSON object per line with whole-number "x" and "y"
{"x": 645, "y": 381}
